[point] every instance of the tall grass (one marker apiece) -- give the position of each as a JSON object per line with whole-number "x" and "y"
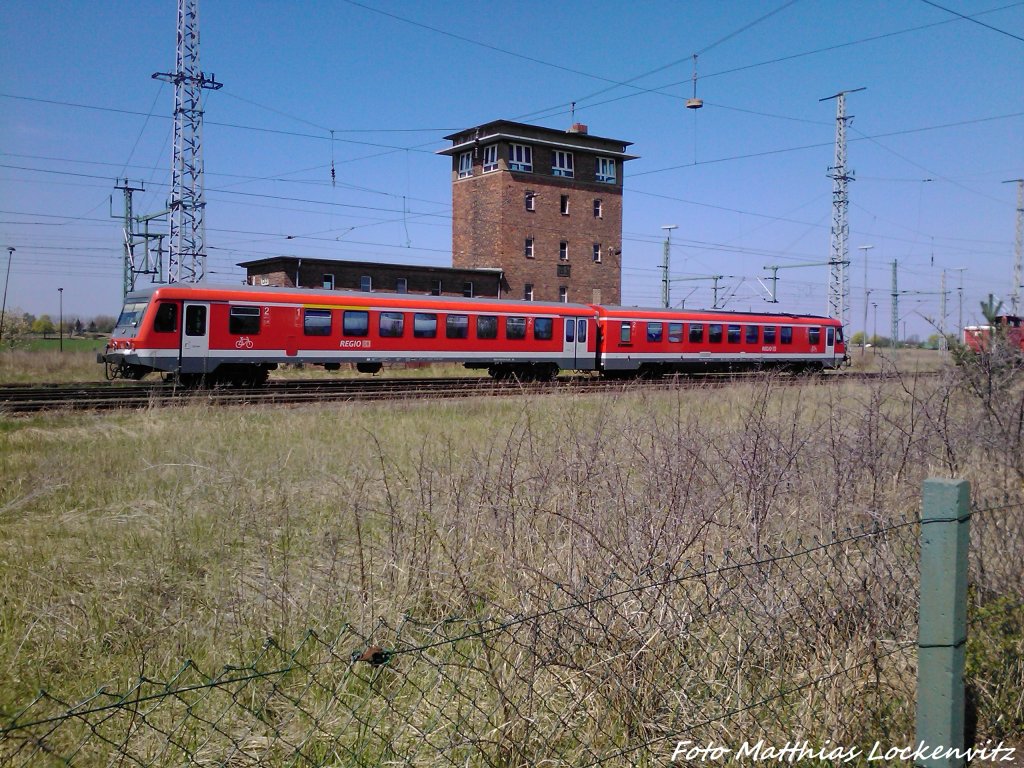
{"x": 132, "y": 542}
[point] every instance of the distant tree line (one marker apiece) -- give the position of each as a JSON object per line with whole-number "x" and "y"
{"x": 18, "y": 326}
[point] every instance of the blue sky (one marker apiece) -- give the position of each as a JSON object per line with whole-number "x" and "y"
{"x": 938, "y": 129}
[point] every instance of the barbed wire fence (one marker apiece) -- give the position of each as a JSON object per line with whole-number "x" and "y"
{"x": 804, "y": 639}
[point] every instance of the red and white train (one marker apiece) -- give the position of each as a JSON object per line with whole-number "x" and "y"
{"x": 238, "y": 334}
{"x": 978, "y": 338}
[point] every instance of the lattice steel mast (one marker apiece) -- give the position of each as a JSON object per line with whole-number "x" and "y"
{"x": 1018, "y": 247}
{"x": 839, "y": 279}
{"x": 187, "y": 258}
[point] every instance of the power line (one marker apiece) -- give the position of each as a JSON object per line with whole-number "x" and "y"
{"x": 973, "y": 20}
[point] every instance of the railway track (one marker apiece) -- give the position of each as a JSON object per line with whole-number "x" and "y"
{"x": 108, "y": 396}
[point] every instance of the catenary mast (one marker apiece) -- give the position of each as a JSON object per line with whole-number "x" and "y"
{"x": 187, "y": 258}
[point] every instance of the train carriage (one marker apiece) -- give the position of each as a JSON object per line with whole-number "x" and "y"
{"x": 656, "y": 341}
{"x": 238, "y": 334}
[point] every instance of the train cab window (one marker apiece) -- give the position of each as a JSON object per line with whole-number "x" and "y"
{"x": 654, "y": 332}
{"x": 391, "y": 325}
{"x": 752, "y": 334}
{"x": 570, "y": 329}
{"x": 195, "y": 320}
{"x": 769, "y": 334}
{"x": 316, "y": 322}
{"x": 356, "y": 322}
{"x": 675, "y": 333}
{"x": 166, "y": 320}
{"x": 487, "y": 327}
{"x": 543, "y": 328}
{"x": 625, "y": 333}
{"x": 515, "y": 328}
{"x": 696, "y": 333}
{"x": 456, "y": 327}
{"x": 814, "y": 335}
{"x": 424, "y": 325}
{"x": 735, "y": 334}
{"x": 786, "y": 336}
{"x": 244, "y": 320}
{"x": 715, "y": 333}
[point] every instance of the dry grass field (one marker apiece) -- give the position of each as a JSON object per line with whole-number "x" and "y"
{"x": 130, "y": 543}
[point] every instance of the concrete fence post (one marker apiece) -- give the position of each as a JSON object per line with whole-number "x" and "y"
{"x": 942, "y": 627}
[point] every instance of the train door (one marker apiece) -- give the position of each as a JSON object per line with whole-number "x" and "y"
{"x": 195, "y": 338}
{"x": 575, "y": 350}
{"x": 830, "y": 342}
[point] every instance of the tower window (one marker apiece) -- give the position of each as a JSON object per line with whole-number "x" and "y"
{"x": 490, "y": 158}
{"x": 597, "y": 253}
{"x": 606, "y": 170}
{"x": 530, "y": 200}
{"x": 329, "y": 282}
{"x": 528, "y": 292}
{"x": 401, "y": 285}
{"x": 561, "y": 164}
{"x": 563, "y": 294}
{"x": 528, "y": 248}
{"x": 563, "y": 251}
{"x": 365, "y": 283}
{"x": 520, "y": 157}
{"x": 465, "y": 165}
{"x": 598, "y": 209}
{"x": 564, "y": 205}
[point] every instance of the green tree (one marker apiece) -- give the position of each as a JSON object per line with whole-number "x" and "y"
{"x": 44, "y": 325}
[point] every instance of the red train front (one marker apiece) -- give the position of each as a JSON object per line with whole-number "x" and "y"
{"x": 978, "y": 338}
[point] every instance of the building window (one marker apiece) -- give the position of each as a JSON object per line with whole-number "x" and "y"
{"x": 244, "y": 320}
{"x": 490, "y": 158}
{"x": 329, "y": 282}
{"x": 530, "y": 201}
{"x": 563, "y": 294}
{"x": 465, "y": 165}
{"x": 563, "y": 251}
{"x": 563, "y": 205}
{"x": 598, "y": 209}
{"x": 467, "y": 290}
{"x": 436, "y": 290}
{"x": 365, "y": 283}
{"x": 528, "y": 292}
{"x": 561, "y": 164}
{"x": 520, "y": 157}
{"x": 597, "y": 253}
{"x": 316, "y": 322}
{"x": 401, "y": 285}
{"x": 528, "y": 248}
{"x": 563, "y": 270}
{"x": 606, "y": 170}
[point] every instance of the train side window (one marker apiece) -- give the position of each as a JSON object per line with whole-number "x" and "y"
{"x": 814, "y": 335}
{"x": 715, "y": 333}
{"x": 734, "y": 334}
{"x": 391, "y": 325}
{"x": 675, "y": 333}
{"x": 515, "y": 327}
{"x": 696, "y": 333}
{"x": 654, "y": 332}
{"x": 195, "y": 320}
{"x": 543, "y": 328}
{"x": 166, "y": 320}
{"x": 316, "y": 322}
{"x": 487, "y": 327}
{"x": 830, "y": 336}
{"x": 625, "y": 332}
{"x": 752, "y": 334}
{"x": 769, "y": 334}
{"x": 786, "y": 337}
{"x": 456, "y": 327}
{"x": 424, "y": 325}
{"x": 570, "y": 329}
{"x": 356, "y": 322}
{"x": 244, "y": 320}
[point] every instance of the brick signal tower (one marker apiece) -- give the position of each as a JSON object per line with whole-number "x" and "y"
{"x": 543, "y": 205}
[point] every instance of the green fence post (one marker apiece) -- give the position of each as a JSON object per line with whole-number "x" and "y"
{"x": 942, "y": 627}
